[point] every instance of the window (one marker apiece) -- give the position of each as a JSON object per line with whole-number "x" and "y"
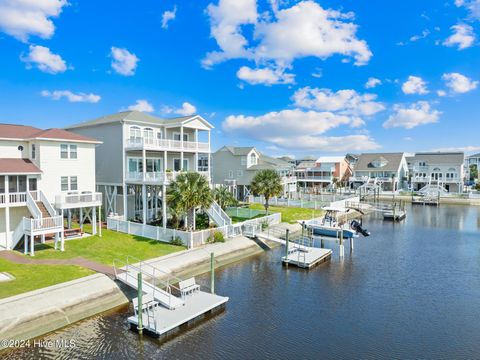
{"x": 64, "y": 151}
{"x": 148, "y": 135}
{"x": 73, "y": 183}
{"x": 73, "y": 151}
{"x": 154, "y": 165}
{"x": 203, "y": 163}
{"x": 2, "y": 184}
{"x": 34, "y": 152}
{"x": 135, "y": 165}
{"x": 135, "y": 132}
{"x": 177, "y": 136}
{"x": 230, "y": 174}
{"x": 64, "y": 183}
{"x": 253, "y": 159}
{"x": 243, "y": 160}
{"x": 176, "y": 165}
{"x": 239, "y": 173}
{"x": 159, "y": 135}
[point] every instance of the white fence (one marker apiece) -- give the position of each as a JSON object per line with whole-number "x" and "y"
{"x": 189, "y": 239}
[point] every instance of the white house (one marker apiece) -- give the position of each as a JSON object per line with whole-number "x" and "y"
{"x": 43, "y": 173}
{"x": 387, "y": 170}
{"x": 445, "y": 169}
{"x": 140, "y": 155}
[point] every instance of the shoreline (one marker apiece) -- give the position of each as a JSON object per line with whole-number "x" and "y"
{"x": 443, "y": 200}
{"x": 37, "y": 313}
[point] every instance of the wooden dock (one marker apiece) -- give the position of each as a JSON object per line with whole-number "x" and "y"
{"x": 425, "y": 201}
{"x": 307, "y": 257}
{"x": 164, "y": 322}
{"x": 398, "y": 215}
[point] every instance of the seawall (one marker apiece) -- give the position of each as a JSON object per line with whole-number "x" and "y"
{"x": 41, "y": 311}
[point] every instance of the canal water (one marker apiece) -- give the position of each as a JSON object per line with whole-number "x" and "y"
{"x": 410, "y": 290}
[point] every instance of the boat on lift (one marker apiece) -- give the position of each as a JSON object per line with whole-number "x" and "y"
{"x": 330, "y": 226}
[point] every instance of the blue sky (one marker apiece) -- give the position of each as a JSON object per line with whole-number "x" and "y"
{"x": 286, "y": 76}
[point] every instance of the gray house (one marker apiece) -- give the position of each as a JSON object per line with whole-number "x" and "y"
{"x": 388, "y": 170}
{"x": 235, "y": 167}
{"x": 141, "y": 154}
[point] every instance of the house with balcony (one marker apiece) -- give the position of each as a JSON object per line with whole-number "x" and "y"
{"x": 471, "y": 161}
{"x": 141, "y": 155}
{"x": 388, "y": 171}
{"x": 44, "y": 176}
{"x": 443, "y": 169}
{"x": 322, "y": 173}
{"x": 235, "y": 167}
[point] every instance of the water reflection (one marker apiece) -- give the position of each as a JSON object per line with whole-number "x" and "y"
{"x": 410, "y": 290}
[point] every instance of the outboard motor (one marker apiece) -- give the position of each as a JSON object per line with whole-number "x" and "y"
{"x": 355, "y": 225}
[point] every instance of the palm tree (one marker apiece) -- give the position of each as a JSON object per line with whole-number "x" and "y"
{"x": 224, "y": 197}
{"x": 189, "y": 192}
{"x": 267, "y": 183}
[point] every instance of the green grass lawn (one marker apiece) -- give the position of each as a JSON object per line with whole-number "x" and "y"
{"x": 112, "y": 245}
{"x": 32, "y": 277}
{"x": 290, "y": 214}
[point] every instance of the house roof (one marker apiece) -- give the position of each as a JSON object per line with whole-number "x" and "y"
{"x": 24, "y": 132}
{"x": 474, "y": 155}
{"x": 393, "y": 161}
{"x": 306, "y": 164}
{"x": 18, "y": 166}
{"x": 137, "y": 116}
{"x": 240, "y": 150}
{"x": 330, "y": 159}
{"x": 440, "y": 157}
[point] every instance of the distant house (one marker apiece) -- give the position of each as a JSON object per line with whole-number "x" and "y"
{"x": 322, "y": 173}
{"x": 388, "y": 170}
{"x": 43, "y": 173}
{"x": 472, "y": 160}
{"x": 236, "y": 167}
{"x": 445, "y": 169}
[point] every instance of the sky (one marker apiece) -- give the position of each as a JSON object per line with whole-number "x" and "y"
{"x": 289, "y": 77}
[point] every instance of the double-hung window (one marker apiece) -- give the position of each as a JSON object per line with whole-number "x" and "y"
{"x": 64, "y": 183}
{"x": 73, "y": 151}
{"x": 73, "y": 183}
{"x": 63, "y": 151}
{"x": 34, "y": 152}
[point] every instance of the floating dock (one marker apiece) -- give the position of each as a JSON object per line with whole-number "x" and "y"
{"x": 168, "y": 303}
{"x": 306, "y": 257}
{"x": 398, "y": 215}
{"x": 425, "y": 201}
{"x": 162, "y": 322}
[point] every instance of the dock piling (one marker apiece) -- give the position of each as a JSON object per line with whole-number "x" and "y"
{"x": 140, "y": 304}
{"x": 286, "y": 245}
{"x": 212, "y": 273}
{"x": 342, "y": 248}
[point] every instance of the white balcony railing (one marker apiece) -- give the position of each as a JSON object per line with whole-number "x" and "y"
{"x": 167, "y": 144}
{"x": 80, "y": 199}
{"x": 320, "y": 178}
{"x": 158, "y": 177}
{"x": 42, "y": 224}
{"x": 288, "y": 179}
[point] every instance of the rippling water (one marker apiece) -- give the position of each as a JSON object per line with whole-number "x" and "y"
{"x": 410, "y": 290}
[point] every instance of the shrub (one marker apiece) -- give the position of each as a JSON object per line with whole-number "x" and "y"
{"x": 215, "y": 237}
{"x": 176, "y": 241}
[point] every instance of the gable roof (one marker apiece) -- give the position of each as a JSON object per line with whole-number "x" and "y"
{"x": 25, "y": 132}
{"x": 18, "y": 166}
{"x": 393, "y": 161}
{"x": 474, "y": 155}
{"x": 138, "y": 116}
{"x": 440, "y": 157}
{"x": 240, "y": 150}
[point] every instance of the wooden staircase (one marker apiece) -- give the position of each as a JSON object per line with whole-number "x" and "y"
{"x": 43, "y": 209}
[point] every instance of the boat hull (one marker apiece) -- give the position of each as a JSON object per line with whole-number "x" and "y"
{"x": 330, "y": 232}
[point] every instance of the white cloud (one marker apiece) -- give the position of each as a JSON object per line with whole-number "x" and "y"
{"x": 372, "y": 82}
{"x": 226, "y": 20}
{"x": 415, "y": 85}
{"x": 472, "y": 5}
{"x": 459, "y": 83}
{"x": 347, "y": 102}
{"x": 466, "y": 149}
{"x": 463, "y": 36}
{"x": 23, "y": 18}
{"x": 187, "y": 109}
{"x": 441, "y": 93}
{"x": 408, "y": 117}
{"x": 265, "y": 76}
{"x": 305, "y": 29}
{"x": 42, "y": 58}
{"x": 70, "y": 96}
{"x": 318, "y": 73}
{"x": 423, "y": 35}
{"x": 141, "y": 105}
{"x": 124, "y": 62}
{"x": 168, "y": 16}
{"x": 298, "y": 129}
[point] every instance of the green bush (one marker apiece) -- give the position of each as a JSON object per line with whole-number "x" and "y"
{"x": 176, "y": 241}
{"x": 215, "y": 237}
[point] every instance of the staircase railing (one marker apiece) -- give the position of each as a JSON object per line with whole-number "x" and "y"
{"x": 33, "y": 207}
{"x": 218, "y": 215}
{"x": 17, "y": 235}
{"x": 47, "y": 204}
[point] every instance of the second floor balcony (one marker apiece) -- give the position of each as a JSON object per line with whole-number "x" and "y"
{"x": 158, "y": 178}
{"x": 140, "y": 143}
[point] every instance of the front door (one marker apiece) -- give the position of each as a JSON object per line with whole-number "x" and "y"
{"x": 32, "y": 184}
